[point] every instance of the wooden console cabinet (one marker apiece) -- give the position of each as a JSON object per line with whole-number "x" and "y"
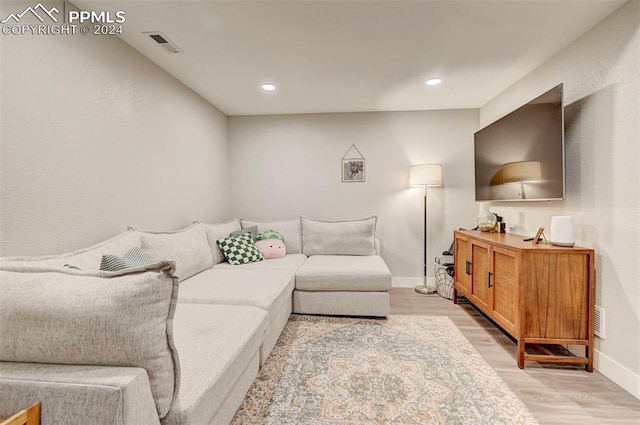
{"x": 538, "y": 293}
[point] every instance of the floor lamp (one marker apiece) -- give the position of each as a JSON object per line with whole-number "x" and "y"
{"x": 425, "y": 175}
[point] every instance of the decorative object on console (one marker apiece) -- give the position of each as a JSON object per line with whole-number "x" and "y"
{"x": 352, "y": 167}
{"x": 500, "y": 225}
{"x": 486, "y": 219}
{"x": 425, "y": 175}
{"x": 539, "y": 235}
{"x": 561, "y": 231}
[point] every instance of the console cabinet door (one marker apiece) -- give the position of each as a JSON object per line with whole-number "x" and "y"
{"x": 556, "y": 298}
{"x": 462, "y": 264}
{"x": 504, "y": 284}
{"x": 480, "y": 268}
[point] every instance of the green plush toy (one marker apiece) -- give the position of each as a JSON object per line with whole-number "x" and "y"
{"x": 269, "y": 234}
{"x": 271, "y": 244}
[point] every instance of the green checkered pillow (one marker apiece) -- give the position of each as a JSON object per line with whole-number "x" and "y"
{"x": 239, "y": 249}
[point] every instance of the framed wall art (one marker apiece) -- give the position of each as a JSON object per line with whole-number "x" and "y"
{"x": 353, "y": 167}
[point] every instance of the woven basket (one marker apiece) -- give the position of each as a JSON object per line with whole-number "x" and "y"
{"x": 444, "y": 282}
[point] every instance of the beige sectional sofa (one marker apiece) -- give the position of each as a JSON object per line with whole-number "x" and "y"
{"x": 86, "y": 343}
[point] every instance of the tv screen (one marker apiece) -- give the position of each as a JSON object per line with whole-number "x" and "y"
{"x": 520, "y": 157}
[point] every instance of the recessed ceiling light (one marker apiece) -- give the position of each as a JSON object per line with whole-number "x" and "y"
{"x": 433, "y": 81}
{"x": 268, "y": 87}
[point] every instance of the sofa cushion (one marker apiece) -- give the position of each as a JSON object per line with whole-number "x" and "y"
{"x": 344, "y": 273}
{"x": 78, "y": 395}
{"x": 240, "y": 249}
{"x": 265, "y": 289}
{"x": 289, "y": 229}
{"x": 290, "y": 263}
{"x": 218, "y": 231}
{"x": 86, "y": 258}
{"x": 79, "y": 317}
{"x": 354, "y": 237}
{"x": 188, "y": 247}
{"x": 216, "y": 344}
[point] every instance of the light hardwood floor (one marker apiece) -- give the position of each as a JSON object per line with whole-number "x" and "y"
{"x": 555, "y": 394}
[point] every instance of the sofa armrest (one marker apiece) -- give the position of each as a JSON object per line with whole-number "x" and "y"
{"x": 70, "y": 394}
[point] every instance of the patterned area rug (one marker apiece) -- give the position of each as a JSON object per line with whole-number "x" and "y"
{"x": 402, "y": 370}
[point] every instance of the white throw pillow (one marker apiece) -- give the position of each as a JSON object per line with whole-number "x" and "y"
{"x": 188, "y": 247}
{"x": 352, "y": 237}
{"x": 79, "y": 317}
{"x": 289, "y": 229}
{"x": 219, "y": 231}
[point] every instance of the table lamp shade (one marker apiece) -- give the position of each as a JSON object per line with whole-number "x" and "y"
{"x": 425, "y": 175}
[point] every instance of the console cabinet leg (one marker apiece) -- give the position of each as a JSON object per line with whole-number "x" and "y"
{"x": 521, "y": 354}
{"x": 589, "y": 355}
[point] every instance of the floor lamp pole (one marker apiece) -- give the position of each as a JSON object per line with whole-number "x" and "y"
{"x": 423, "y": 289}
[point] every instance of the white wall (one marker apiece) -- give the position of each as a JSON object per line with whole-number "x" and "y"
{"x": 601, "y": 79}
{"x": 289, "y": 165}
{"x": 96, "y": 137}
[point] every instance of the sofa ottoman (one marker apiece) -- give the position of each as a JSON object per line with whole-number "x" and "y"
{"x": 218, "y": 346}
{"x": 269, "y": 290}
{"x": 344, "y": 274}
{"x": 343, "y": 285}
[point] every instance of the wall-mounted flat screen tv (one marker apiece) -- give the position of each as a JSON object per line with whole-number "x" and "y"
{"x": 520, "y": 157}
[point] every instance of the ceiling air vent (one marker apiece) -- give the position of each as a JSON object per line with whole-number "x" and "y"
{"x": 163, "y": 41}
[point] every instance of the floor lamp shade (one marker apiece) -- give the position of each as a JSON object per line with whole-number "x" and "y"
{"x": 425, "y": 175}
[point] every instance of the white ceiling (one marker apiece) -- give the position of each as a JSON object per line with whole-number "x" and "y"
{"x": 346, "y": 56}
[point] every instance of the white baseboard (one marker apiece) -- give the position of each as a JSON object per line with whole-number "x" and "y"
{"x": 619, "y": 374}
{"x": 411, "y": 282}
